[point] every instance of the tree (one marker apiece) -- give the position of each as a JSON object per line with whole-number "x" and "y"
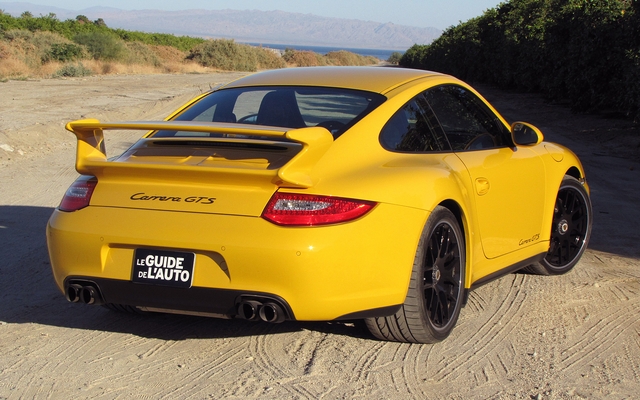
{"x": 82, "y": 19}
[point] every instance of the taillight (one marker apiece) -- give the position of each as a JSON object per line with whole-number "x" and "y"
{"x": 309, "y": 210}
{"x": 78, "y": 195}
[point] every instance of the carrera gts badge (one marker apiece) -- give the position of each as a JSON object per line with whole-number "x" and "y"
{"x": 190, "y": 199}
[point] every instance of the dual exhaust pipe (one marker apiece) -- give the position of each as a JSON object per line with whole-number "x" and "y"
{"x": 86, "y": 294}
{"x": 266, "y": 310}
{"x": 253, "y": 310}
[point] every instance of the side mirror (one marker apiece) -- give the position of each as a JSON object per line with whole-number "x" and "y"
{"x": 524, "y": 134}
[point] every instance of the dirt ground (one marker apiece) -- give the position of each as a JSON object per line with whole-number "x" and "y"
{"x": 522, "y": 336}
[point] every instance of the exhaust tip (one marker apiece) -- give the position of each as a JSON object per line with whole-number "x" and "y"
{"x": 81, "y": 292}
{"x": 73, "y": 293}
{"x": 249, "y": 309}
{"x": 271, "y": 312}
{"x": 89, "y": 295}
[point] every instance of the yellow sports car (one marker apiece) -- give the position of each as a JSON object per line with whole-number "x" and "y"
{"x": 306, "y": 194}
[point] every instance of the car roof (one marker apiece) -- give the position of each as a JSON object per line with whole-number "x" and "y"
{"x": 372, "y": 79}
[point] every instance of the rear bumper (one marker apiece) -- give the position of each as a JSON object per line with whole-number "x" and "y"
{"x": 353, "y": 270}
{"x": 221, "y": 303}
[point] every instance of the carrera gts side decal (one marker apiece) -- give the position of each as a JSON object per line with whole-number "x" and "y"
{"x": 534, "y": 238}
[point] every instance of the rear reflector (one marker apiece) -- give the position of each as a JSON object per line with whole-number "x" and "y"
{"x": 78, "y": 195}
{"x": 310, "y": 210}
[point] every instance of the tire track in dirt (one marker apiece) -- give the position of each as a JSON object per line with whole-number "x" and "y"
{"x": 492, "y": 333}
{"x": 600, "y": 334}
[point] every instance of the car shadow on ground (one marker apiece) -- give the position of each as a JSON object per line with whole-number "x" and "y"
{"x": 28, "y": 295}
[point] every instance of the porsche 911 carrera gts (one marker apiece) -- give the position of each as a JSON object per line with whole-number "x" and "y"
{"x": 318, "y": 194}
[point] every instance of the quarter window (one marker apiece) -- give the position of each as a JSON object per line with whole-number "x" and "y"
{"x": 467, "y": 122}
{"x": 413, "y": 129}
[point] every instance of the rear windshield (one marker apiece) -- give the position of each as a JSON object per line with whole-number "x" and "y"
{"x": 286, "y": 106}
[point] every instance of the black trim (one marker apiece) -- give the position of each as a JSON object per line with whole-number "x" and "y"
{"x": 375, "y": 312}
{"x": 465, "y": 297}
{"x": 505, "y": 271}
{"x": 194, "y": 299}
{"x": 226, "y": 144}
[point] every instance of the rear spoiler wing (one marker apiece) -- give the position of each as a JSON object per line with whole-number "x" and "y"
{"x": 91, "y": 155}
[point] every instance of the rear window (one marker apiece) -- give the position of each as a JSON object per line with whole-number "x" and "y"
{"x": 287, "y": 107}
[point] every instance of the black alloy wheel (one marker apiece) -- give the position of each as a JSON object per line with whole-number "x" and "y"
{"x": 436, "y": 289}
{"x": 570, "y": 229}
{"x": 441, "y": 279}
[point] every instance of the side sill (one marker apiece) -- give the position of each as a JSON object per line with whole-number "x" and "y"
{"x": 505, "y": 271}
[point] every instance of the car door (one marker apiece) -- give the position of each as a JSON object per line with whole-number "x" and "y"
{"x": 507, "y": 182}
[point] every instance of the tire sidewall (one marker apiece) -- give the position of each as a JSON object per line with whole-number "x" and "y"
{"x": 438, "y": 216}
{"x": 570, "y": 182}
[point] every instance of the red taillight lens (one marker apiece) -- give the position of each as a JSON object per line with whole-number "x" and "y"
{"x": 77, "y": 196}
{"x": 309, "y": 210}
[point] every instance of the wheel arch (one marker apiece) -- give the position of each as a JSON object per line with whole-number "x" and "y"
{"x": 458, "y": 211}
{"x": 575, "y": 172}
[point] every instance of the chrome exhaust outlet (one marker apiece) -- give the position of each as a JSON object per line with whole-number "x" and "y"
{"x": 271, "y": 312}
{"x": 249, "y": 309}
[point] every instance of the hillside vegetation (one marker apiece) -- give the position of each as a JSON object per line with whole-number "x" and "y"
{"x": 47, "y": 47}
{"x": 584, "y": 52}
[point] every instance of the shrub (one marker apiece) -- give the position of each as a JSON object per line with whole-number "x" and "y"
{"x": 73, "y": 71}
{"x": 225, "y": 54}
{"x": 343, "y": 57}
{"x": 102, "y": 45}
{"x": 63, "y": 52}
{"x": 583, "y": 51}
{"x": 303, "y": 58}
{"x": 268, "y": 59}
{"x": 394, "y": 58}
{"x": 140, "y": 53}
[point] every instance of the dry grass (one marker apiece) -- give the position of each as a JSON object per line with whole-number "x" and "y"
{"x": 304, "y": 58}
{"x": 25, "y": 54}
{"x": 111, "y": 68}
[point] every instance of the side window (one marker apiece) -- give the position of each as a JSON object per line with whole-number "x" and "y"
{"x": 468, "y": 123}
{"x": 411, "y": 130}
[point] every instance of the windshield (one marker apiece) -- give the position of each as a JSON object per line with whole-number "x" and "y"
{"x": 285, "y": 106}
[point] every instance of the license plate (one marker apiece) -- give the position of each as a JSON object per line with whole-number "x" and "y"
{"x": 167, "y": 268}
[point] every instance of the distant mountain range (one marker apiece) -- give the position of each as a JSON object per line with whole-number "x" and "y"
{"x": 249, "y": 26}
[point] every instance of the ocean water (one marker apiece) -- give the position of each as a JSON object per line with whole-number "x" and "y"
{"x": 381, "y": 54}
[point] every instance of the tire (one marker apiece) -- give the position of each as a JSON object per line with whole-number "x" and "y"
{"x": 570, "y": 229}
{"x": 436, "y": 290}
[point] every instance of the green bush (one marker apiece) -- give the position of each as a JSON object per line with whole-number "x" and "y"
{"x": 223, "y": 54}
{"x": 102, "y": 45}
{"x": 394, "y": 58}
{"x": 140, "y": 53}
{"x": 584, "y": 51}
{"x": 63, "y": 52}
{"x": 228, "y": 55}
{"x": 267, "y": 59}
{"x": 73, "y": 71}
{"x": 184, "y": 43}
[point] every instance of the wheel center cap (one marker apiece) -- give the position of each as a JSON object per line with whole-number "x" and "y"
{"x": 435, "y": 275}
{"x": 563, "y": 227}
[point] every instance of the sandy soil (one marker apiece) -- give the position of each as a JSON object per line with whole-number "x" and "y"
{"x": 523, "y": 336}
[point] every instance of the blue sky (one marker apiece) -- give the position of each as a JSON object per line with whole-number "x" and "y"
{"x": 422, "y": 13}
